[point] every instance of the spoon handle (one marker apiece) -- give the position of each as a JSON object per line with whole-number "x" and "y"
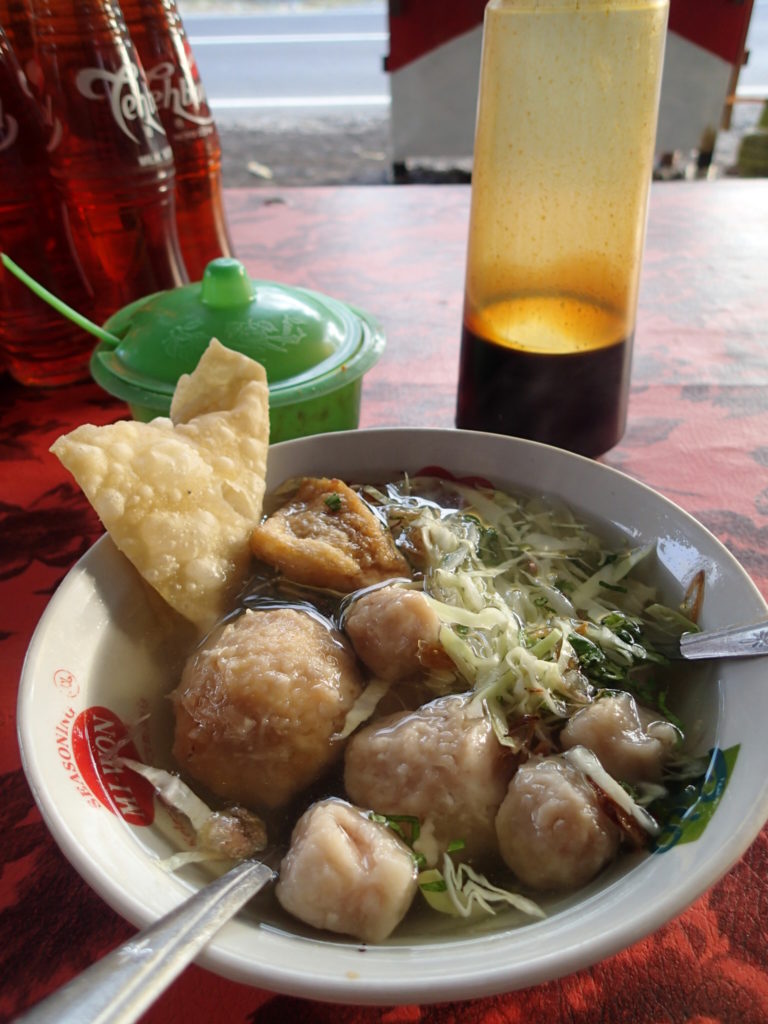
{"x": 732, "y": 642}
{"x": 118, "y": 988}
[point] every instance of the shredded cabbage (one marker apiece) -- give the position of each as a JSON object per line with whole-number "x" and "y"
{"x": 363, "y": 708}
{"x": 586, "y": 761}
{"x": 461, "y": 891}
{"x": 173, "y": 792}
{"x": 537, "y": 613}
{"x": 219, "y": 835}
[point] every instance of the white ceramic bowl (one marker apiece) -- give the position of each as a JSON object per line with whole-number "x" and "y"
{"x": 107, "y": 643}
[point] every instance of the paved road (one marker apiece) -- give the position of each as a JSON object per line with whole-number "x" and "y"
{"x": 302, "y": 94}
{"x": 328, "y": 62}
{"x": 302, "y": 62}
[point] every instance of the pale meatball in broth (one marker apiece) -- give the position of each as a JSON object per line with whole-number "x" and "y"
{"x": 552, "y": 832}
{"x": 389, "y": 628}
{"x": 630, "y": 742}
{"x": 441, "y": 764}
{"x": 258, "y": 707}
{"x": 346, "y": 873}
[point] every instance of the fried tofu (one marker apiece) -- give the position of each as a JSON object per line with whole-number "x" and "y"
{"x": 326, "y": 536}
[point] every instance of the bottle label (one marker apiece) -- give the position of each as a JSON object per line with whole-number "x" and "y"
{"x": 182, "y": 96}
{"x": 131, "y": 105}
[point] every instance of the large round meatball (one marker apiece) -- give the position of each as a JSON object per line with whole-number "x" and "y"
{"x": 551, "y": 829}
{"x": 441, "y": 764}
{"x": 630, "y": 742}
{"x": 389, "y": 627}
{"x": 346, "y": 873}
{"x": 258, "y": 706}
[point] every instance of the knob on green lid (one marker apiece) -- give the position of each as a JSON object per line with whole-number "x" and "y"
{"x": 225, "y": 284}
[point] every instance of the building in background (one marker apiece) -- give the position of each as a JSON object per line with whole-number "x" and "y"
{"x": 434, "y": 59}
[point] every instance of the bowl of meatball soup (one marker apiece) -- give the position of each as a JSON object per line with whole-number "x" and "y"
{"x": 445, "y": 707}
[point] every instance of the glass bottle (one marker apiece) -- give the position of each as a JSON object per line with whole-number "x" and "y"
{"x": 158, "y": 34}
{"x": 112, "y": 162}
{"x": 39, "y": 346}
{"x": 566, "y": 122}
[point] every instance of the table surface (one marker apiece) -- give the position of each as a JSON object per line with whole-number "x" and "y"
{"x": 697, "y": 432}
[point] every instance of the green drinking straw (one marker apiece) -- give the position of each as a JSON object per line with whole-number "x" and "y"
{"x": 58, "y": 305}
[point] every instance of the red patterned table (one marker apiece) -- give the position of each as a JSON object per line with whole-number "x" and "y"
{"x": 698, "y": 432}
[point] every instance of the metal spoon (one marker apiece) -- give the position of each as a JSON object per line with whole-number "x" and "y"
{"x": 730, "y": 642}
{"x": 120, "y": 987}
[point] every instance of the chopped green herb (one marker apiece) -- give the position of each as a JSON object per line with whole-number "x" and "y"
{"x": 333, "y": 502}
{"x": 625, "y": 628}
{"x": 489, "y": 549}
{"x": 438, "y": 885}
{"x": 594, "y": 662}
{"x": 406, "y": 826}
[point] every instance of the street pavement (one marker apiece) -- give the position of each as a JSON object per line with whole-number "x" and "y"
{"x": 300, "y": 98}
{"x": 355, "y": 151}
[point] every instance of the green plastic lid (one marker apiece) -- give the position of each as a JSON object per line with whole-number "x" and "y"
{"x": 308, "y": 343}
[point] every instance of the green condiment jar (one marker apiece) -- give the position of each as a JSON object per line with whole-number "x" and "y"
{"x": 315, "y": 349}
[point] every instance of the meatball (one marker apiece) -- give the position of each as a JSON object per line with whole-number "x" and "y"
{"x": 389, "y": 627}
{"x": 257, "y": 707}
{"x": 551, "y": 829}
{"x": 326, "y": 536}
{"x": 441, "y": 764}
{"x": 630, "y": 742}
{"x": 346, "y": 873}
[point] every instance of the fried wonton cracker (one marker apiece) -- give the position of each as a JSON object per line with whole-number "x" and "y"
{"x": 180, "y": 496}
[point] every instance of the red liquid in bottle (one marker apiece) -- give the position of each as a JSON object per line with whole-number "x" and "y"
{"x": 161, "y": 42}
{"x": 40, "y": 347}
{"x": 112, "y": 162}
